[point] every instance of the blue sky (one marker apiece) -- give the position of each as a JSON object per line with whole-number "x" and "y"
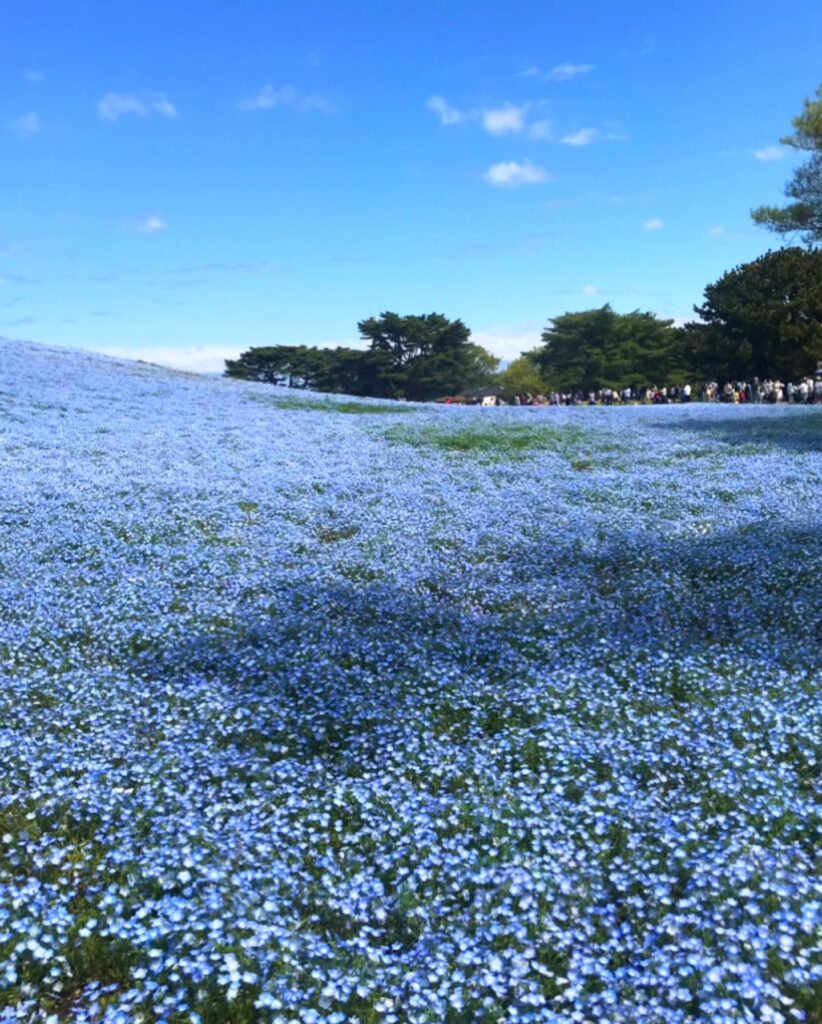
{"x": 182, "y": 180}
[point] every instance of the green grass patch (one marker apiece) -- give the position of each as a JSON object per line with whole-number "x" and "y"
{"x": 501, "y": 440}
{"x": 350, "y": 408}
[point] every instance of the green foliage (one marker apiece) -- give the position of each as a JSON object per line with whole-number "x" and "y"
{"x": 340, "y": 370}
{"x": 425, "y": 357}
{"x": 412, "y": 357}
{"x": 804, "y": 214}
{"x": 762, "y": 318}
{"x": 503, "y": 440}
{"x": 481, "y": 366}
{"x": 522, "y": 376}
{"x": 351, "y": 408}
{"x": 600, "y": 348}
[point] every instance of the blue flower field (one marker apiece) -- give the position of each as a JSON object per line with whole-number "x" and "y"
{"x": 317, "y": 711}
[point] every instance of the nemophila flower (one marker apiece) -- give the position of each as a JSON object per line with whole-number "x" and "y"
{"x": 304, "y": 717}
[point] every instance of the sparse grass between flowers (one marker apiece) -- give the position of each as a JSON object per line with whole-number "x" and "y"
{"x": 492, "y": 438}
{"x": 346, "y": 407}
{"x": 300, "y": 721}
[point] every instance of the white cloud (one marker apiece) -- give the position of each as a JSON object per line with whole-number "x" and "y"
{"x": 613, "y": 132}
{"x": 541, "y": 130}
{"x": 591, "y": 289}
{"x": 562, "y": 72}
{"x": 583, "y": 137}
{"x": 115, "y": 105}
{"x": 507, "y": 120}
{"x": 195, "y": 358}
{"x": 510, "y": 174}
{"x": 27, "y": 125}
{"x": 508, "y": 342}
{"x": 717, "y": 231}
{"x": 654, "y": 224}
{"x": 34, "y": 77}
{"x": 268, "y": 98}
{"x": 532, "y": 72}
{"x": 148, "y": 225}
{"x": 770, "y": 153}
{"x": 444, "y": 111}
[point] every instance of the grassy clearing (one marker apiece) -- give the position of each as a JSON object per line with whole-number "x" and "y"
{"x": 497, "y": 440}
{"x": 350, "y": 408}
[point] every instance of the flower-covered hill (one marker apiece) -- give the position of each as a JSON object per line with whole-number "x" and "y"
{"x": 325, "y": 711}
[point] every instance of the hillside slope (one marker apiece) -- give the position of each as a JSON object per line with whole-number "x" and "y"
{"x": 310, "y": 712}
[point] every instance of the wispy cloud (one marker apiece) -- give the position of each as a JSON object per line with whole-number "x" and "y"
{"x": 27, "y": 125}
{"x": 445, "y": 112}
{"x": 613, "y": 132}
{"x": 115, "y": 105}
{"x": 541, "y": 130}
{"x": 268, "y": 98}
{"x": 591, "y": 289}
{"x": 33, "y": 77}
{"x": 582, "y": 137}
{"x": 196, "y": 358}
{"x": 510, "y": 174}
{"x": 719, "y": 231}
{"x": 21, "y": 321}
{"x": 148, "y": 225}
{"x": 654, "y": 224}
{"x": 770, "y": 153}
{"x": 585, "y": 136}
{"x": 508, "y": 341}
{"x": 506, "y": 120}
{"x": 562, "y": 72}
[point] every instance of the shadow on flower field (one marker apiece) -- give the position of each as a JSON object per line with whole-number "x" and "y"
{"x": 306, "y": 717}
{"x": 780, "y": 428}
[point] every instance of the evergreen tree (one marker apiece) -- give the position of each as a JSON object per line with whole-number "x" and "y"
{"x": 804, "y": 214}
{"x": 762, "y": 319}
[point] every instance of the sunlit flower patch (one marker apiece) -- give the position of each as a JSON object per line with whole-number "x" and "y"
{"x": 475, "y": 715}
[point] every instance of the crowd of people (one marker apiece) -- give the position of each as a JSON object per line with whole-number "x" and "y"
{"x": 807, "y": 391}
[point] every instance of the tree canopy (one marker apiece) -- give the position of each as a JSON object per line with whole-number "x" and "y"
{"x": 600, "y": 348}
{"x": 804, "y": 214}
{"x": 411, "y": 357}
{"x": 423, "y": 357}
{"x": 522, "y": 376}
{"x": 342, "y": 370}
{"x": 762, "y": 318}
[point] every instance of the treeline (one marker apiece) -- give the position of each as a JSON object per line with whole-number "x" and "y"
{"x": 762, "y": 319}
{"x": 417, "y": 358}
